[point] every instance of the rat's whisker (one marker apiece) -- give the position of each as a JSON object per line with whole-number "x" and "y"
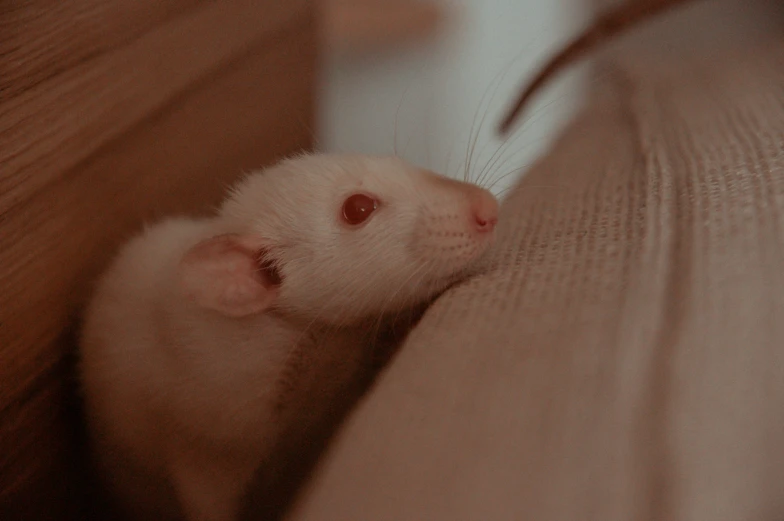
{"x": 530, "y": 120}
{"x": 500, "y": 77}
{"x": 391, "y": 299}
{"x": 360, "y": 297}
{"x": 421, "y": 274}
{"x": 449, "y": 157}
{"x": 487, "y": 171}
{"x": 359, "y": 293}
{"x": 473, "y": 139}
{"x": 513, "y": 158}
{"x": 526, "y": 189}
{"x": 499, "y": 153}
{"x": 497, "y": 80}
{"x": 467, "y": 160}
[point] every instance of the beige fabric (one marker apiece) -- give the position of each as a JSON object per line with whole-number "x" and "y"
{"x": 624, "y": 358}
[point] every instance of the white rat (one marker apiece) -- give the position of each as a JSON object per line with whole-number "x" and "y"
{"x": 205, "y": 338}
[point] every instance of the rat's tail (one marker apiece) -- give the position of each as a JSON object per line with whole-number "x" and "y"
{"x": 607, "y": 26}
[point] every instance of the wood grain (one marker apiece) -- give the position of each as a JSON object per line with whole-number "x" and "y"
{"x": 40, "y": 38}
{"x": 160, "y": 125}
{"x": 52, "y": 127}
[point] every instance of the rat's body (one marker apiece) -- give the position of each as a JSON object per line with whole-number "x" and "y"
{"x": 161, "y": 376}
{"x": 207, "y": 339}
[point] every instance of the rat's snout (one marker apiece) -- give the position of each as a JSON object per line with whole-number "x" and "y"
{"x": 456, "y": 227}
{"x": 484, "y": 211}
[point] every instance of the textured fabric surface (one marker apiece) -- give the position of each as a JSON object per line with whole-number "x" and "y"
{"x": 623, "y": 359}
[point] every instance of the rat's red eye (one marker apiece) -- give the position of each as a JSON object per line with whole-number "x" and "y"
{"x": 357, "y": 208}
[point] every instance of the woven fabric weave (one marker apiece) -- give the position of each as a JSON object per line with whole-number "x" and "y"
{"x": 623, "y": 358}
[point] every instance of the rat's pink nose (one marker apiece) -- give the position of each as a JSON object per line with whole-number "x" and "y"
{"x": 484, "y": 209}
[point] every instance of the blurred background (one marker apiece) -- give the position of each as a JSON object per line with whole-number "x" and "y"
{"x": 429, "y": 79}
{"x": 432, "y": 84}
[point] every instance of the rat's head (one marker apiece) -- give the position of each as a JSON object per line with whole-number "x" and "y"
{"x": 340, "y": 238}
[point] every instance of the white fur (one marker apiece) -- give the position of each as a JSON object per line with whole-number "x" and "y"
{"x": 184, "y": 400}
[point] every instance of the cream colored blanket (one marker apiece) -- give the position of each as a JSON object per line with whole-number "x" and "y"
{"x": 623, "y": 359}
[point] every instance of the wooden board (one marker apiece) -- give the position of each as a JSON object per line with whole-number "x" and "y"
{"x": 40, "y": 39}
{"x": 354, "y": 27}
{"x": 155, "y": 122}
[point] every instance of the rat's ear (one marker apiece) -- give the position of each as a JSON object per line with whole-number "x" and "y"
{"x": 225, "y": 274}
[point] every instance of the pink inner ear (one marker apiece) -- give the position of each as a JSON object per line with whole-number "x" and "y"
{"x": 226, "y": 274}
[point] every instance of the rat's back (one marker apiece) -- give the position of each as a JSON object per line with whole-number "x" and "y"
{"x": 119, "y": 336}
{"x": 122, "y": 359}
